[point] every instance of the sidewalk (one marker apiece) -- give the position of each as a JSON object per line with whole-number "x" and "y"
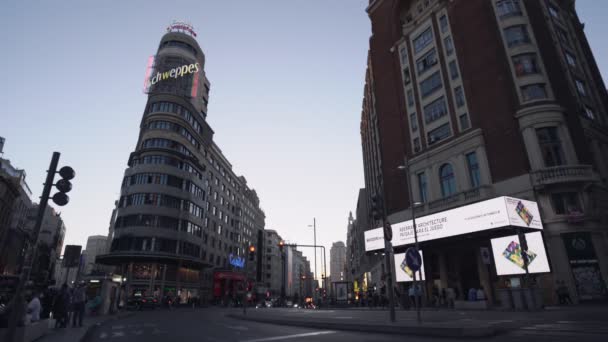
{"x": 437, "y": 323}
{"x": 70, "y": 334}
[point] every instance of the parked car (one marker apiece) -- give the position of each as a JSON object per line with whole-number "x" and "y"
{"x": 140, "y": 303}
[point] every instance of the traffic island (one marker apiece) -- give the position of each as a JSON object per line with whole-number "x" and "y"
{"x": 480, "y": 330}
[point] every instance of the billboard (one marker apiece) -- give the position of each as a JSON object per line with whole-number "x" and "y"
{"x": 403, "y": 273}
{"x": 494, "y": 213}
{"x": 374, "y": 239}
{"x": 508, "y": 258}
{"x": 172, "y": 74}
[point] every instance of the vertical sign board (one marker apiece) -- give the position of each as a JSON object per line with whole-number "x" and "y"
{"x": 71, "y": 256}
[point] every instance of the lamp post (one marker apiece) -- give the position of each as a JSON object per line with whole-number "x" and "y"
{"x": 406, "y": 168}
{"x": 314, "y": 228}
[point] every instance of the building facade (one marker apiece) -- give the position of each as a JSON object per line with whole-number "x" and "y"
{"x": 183, "y": 214}
{"x": 337, "y": 262}
{"x": 96, "y": 245}
{"x": 273, "y": 267}
{"x": 488, "y": 98}
{"x": 299, "y": 276}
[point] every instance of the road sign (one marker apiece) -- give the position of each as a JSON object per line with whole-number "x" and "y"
{"x": 388, "y": 231}
{"x": 413, "y": 259}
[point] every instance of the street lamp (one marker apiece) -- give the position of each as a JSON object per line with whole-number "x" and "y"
{"x": 314, "y": 227}
{"x": 406, "y": 168}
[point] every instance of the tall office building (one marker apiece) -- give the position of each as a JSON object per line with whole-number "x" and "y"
{"x": 337, "y": 262}
{"x": 96, "y": 245}
{"x": 482, "y": 99}
{"x": 273, "y": 266}
{"x": 184, "y": 219}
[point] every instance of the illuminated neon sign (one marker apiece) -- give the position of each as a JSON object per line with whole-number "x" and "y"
{"x": 174, "y": 73}
{"x": 178, "y": 26}
{"x": 237, "y": 261}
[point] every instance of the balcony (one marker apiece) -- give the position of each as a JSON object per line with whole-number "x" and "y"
{"x": 563, "y": 174}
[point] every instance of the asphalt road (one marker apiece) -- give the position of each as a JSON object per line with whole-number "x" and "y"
{"x": 184, "y": 325}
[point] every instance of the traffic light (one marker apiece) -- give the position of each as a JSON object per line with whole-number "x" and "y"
{"x": 251, "y": 253}
{"x": 377, "y": 209}
{"x": 281, "y": 245}
{"x": 64, "y": 186}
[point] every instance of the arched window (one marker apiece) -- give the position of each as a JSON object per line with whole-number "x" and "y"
{"x": 447, "y": 180}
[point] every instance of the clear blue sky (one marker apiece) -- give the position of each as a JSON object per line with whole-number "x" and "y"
{"x": 286, "y": 89}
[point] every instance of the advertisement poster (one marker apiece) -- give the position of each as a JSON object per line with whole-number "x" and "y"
{"x": 403, "y": 273}
{"x": 508, "y": 257}
{"x": 374, "y": 239}
{"x": 341, "y": 291}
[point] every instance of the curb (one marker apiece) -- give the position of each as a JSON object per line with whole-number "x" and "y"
{"x": 91, "y": 329}
{"x": 434, "y": 331}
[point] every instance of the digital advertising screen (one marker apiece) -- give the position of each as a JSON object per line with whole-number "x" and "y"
{"x": 403, "y": 273}
{"x": 508, "y": 257}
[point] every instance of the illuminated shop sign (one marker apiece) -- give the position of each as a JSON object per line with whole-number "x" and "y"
{"x": 178, "y": 26}
{"x": 237, "y": 261}
{"x": 495, "y": 213}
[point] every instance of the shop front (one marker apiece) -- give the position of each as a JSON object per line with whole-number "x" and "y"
{"x": 228, "y": 286}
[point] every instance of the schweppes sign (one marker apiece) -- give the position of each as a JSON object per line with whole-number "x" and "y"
{"x": 175, "y": 73}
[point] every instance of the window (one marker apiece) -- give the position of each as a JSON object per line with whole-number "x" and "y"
{"x": 565, "y": 203}
{"x": 410, "y": 98}
{"x": 403, "y": 53}
{"x": 453, "y": 70}
{"x": 473, "y": 169}
{"x": 516, "y": 35}
{"x": 507, "y": 8}
{"x": 406, "y": 76}
{"x": 550, "y": 146}
{"x": 430, "y": 85}
{"x": 570, "y": 59}
{"x": 422, "y": 187}
{"x": 589, "y": 113}
{"x": 423, "y": 40}
{"x": 427, "y": 61}
{"x": 449, "y": 46}
{"x": 413, "y": 122}
{"x": 464, "y": 121}
{"x": 439, "y": 133}
{"x": 562, "y": 35}
{"x": 443, "y": 23}
{"x": 554, "y": 11}
{"x": 580, "y": 87}
{"x": 533, "y": 92}
{"x": 459, "y": 95}
{"x": 447, "y": 180}
{"x": 525, "y": 64}
{"x": 417, "y": 145}
{"x": 435, "y": 110}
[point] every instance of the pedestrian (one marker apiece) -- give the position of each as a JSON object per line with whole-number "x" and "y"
{"x": 563, "y": 289}
{"x": 412, "y": 294}
{"x": 442, "y": 297}
{"x": 34, "y": 307}
{"x": 456, "y": 293}
{"x": 60, "y": 307}
{"x": 435, "y": 293}
{"x": 78, "y": 304}
{"x": 451, "y": 293}
{"x": 472, "y": 296}
{"x": 480, "y": 295}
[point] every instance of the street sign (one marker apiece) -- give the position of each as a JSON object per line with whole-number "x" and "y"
{"x": 413, "y": 259}
{"x": 388, "y": 231}
{"x": 485, "y": 255}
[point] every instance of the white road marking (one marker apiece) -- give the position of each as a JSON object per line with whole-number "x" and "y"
{"x": 118, "y": 334}
{"x": 138, "y": 332}
{"x": 278, "y": 338}
{"x": 116, "y": 327}
{"x": 343, "y": 317}
{"x": 103, "y": 335}
{"x": 236, "y": 327}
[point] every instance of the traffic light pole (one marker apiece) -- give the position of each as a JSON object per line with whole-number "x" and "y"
{"x": 18, "y": 302}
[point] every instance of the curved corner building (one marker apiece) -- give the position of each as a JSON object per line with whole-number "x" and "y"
{"x": 183, "y": 217}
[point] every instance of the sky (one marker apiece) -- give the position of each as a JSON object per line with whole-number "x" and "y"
{"x": 285, "y": 104}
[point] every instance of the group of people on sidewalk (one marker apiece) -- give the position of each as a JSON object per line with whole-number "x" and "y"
{"x": 61, "y": 305}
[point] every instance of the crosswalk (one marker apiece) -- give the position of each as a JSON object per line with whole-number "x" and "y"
{"x": 581, "y": 330}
